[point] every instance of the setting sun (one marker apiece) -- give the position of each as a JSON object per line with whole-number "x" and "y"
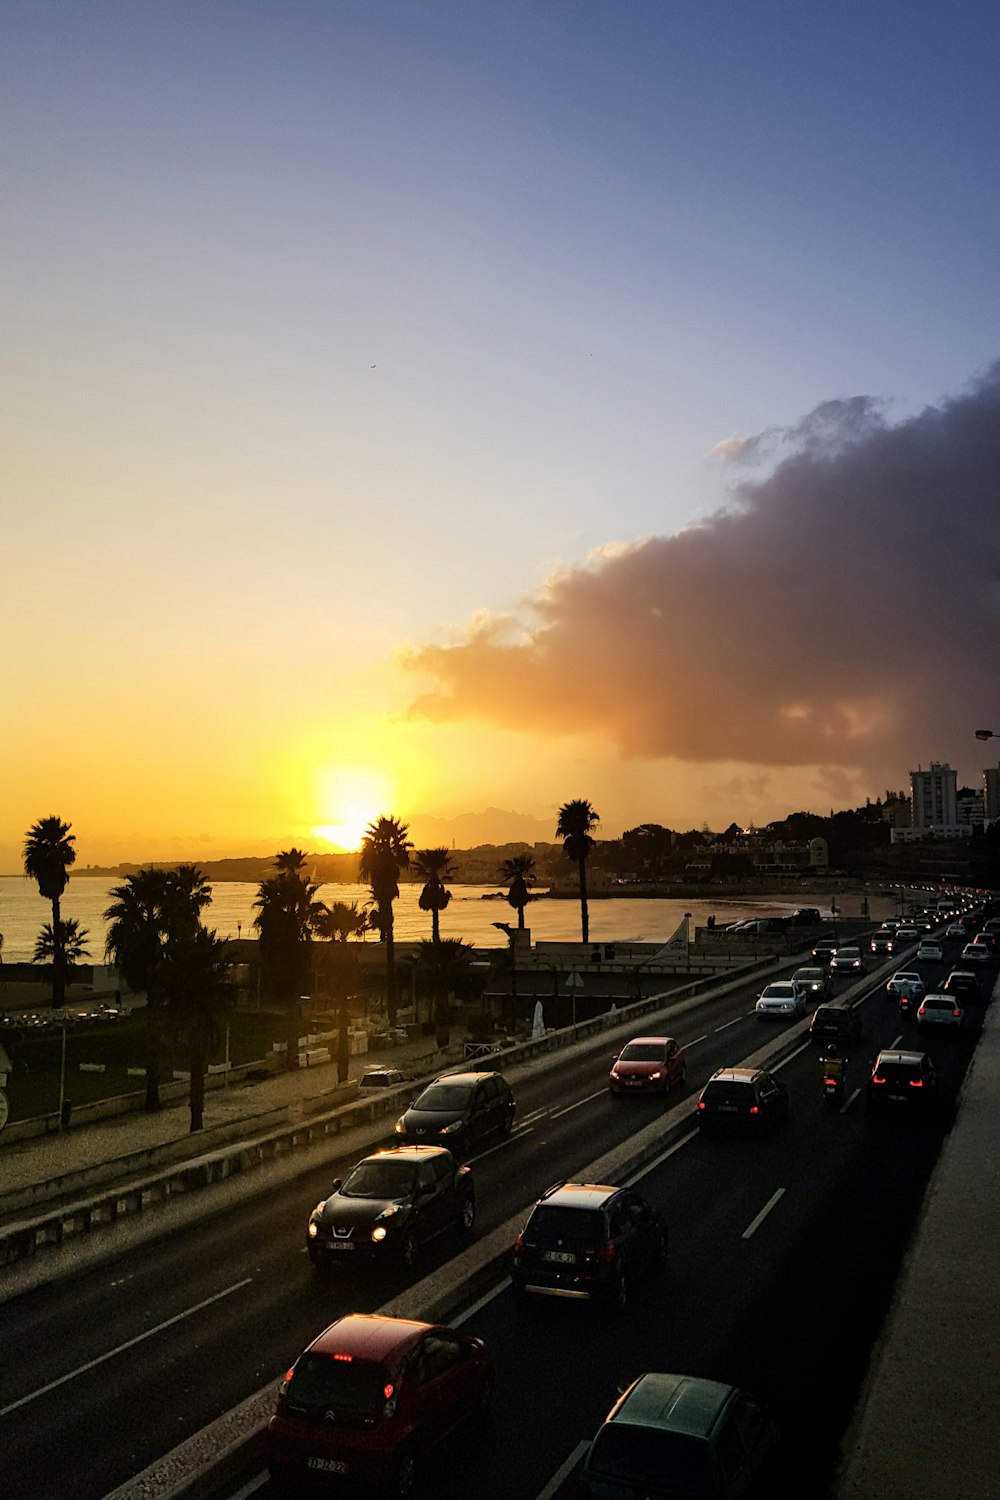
{"x": 351, "y": 798}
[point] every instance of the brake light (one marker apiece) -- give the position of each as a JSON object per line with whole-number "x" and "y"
{"x": 519, "y": 1244}
{"x": 830, "y": 1082}
{"x": 916, "y": 1083}
{"x": 701, "y": 1104}
{"x": 345, "y": 1359}
{"x": 956, "y": 1012}
{"x": 288, "y": 1374}
{"x": 388, "y": 1389}
{"x": 755, "y": 1109}
{"x": 877, "y": 1079}
{"x": 605, "y": 1255}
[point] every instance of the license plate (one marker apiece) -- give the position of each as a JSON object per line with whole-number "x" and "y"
{"x": 328, "y": 1465}
{"x": 727, "y": 1109}
{"x": 562, "y": 1257}
{"x": 341, "y": 1245}
{"x": 632, "y": 1083}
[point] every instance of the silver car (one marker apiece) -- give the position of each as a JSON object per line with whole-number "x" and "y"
{"x": 781, "y": 1000}
{"x": 939, "y": 1010}
{"x": 930, "y": 951}
{"x": 814, "y": 981}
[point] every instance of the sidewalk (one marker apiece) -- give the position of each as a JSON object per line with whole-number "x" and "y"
{"x": 23, "y": 1163}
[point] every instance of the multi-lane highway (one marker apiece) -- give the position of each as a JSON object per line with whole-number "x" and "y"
{"x": 783, "y": 1253}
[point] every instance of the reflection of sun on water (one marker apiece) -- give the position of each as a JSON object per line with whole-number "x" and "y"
{"x": 351, "y": 799}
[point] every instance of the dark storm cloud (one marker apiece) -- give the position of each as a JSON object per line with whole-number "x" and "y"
{"x": 843, "y": 611}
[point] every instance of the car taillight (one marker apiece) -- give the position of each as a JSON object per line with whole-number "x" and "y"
{"x": 519, "y": 1245}
{"x": 956, "y": 1013}
{"x": 701, "y": 1104}
{"x": 877, "y": 1079}
{"x": 345, "y": 1359}
{"x": 755, "y": 1109}
{"x": 605, "y": 1254}
{"x": 916, "y": 1083}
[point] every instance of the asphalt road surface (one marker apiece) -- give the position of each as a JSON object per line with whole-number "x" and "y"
{"x": 782, "y": 1258}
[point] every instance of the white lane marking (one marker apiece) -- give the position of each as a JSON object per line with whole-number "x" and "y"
{"x": 556, "y": 1113}
{"x": 734, "y": 1022}
{"x": 774, "y": 1199}
{"x": 689, "y": 1045}
{"x": 250, "y": 1488}
{"x": 486, "y": 1298}
{"x": 130, "y": 1344}
{"x": 847, "y": 1104}
{"x": 515, "y": 1135}
{"x": 535, "y": 1114}
{"x": 895, "y": 1043}
{"x": 563, "y": 1471}
{"x": 657, "y": 1161}
{"x": 791, "y": 1057}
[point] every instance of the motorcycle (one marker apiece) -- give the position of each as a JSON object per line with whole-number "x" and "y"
{"x": 833, "y": 1089}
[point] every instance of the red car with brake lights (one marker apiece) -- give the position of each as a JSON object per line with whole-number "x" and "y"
{"x": 369, "y": 1396}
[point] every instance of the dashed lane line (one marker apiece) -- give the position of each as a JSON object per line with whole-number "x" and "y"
{"x": 772, "y": 1202}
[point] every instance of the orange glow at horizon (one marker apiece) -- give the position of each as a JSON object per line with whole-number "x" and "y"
{"x": 351, "y": 797}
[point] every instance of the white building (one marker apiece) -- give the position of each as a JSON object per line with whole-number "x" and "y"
{"x": 933, "y": 798}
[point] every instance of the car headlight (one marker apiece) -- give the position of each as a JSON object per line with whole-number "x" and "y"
{"x": 614, "y": 1072}
{"x": 399, "y": 1127}
{"x": 379, "y": 1233}
{"x": 654, "y": 1076}
{"x": 313, "y": 1229}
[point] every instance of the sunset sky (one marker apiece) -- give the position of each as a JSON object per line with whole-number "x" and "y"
{"x": 435, "y": 408}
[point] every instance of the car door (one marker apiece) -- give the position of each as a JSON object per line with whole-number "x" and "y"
{"x": 773, "y": 1098}
{"x": 432, "y": 1199}
{"x": 439, "y": 1371}
{"x": 674, "y": 1061}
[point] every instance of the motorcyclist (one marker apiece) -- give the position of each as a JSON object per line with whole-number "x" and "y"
{"x": 833, "y": 1065}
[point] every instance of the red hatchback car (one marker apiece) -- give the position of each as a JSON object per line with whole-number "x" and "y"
{"x": 368, "y": 1397}
{"x": 647, "y": 1064}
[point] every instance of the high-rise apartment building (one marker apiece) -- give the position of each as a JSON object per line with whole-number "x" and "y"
{"x": 933, "y": 798}
{"x": 991, "y": 794}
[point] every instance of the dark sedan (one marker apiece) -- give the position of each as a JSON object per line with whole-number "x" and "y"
{"x": 460, "y": 1111}
{"x": 389, "y": 1205}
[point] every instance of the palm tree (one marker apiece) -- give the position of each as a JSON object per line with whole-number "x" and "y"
{"x": 434, "y": 867}
{"x": 290, "y": 862}
{"x": 198, "y": 998}
{"x": 385, "y": 850}
{"x": 134, "y": 944}
{"x": 286, "y": 909}
{"x": 338, "y": 923}
{"x": 446, "y": 965}
{"x": 518, "y": 873}
{"x": 154, "y": 913}
{"x": 72, "y": 944}
{"x": 48, "y": 854}
{"x": 573, "y": 826}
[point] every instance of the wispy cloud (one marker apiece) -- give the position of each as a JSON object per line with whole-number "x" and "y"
{"x": 844, "y": 611}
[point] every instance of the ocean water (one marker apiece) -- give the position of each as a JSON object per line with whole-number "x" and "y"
{"x": 470, "y": 914}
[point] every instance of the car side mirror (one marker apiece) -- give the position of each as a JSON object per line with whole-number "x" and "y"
{"x": 336, "y": 1185}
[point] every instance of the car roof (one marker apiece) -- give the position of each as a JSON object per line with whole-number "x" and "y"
{"x": 579, "y": 1194}
{"x": 835, "y": 1008}
{"x": 682, "y": 1403}
{"x": 406, "y": 1153}
{"x": 467, "y": 1077}
{"x": 735, "y": 1075}
{"x": 368, "y": 1336}
{"x": 659, "y": 1041}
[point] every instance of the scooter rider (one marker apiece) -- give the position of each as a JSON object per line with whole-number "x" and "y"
{"x": 833, "y": 1065}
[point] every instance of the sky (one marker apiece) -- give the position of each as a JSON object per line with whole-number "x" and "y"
{"x": 450, "y": 410}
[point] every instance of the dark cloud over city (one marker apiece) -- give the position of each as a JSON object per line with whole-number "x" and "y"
{"x": 843, "y": 610}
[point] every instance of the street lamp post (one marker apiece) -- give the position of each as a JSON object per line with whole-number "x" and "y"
{"x": 987, "y": 734}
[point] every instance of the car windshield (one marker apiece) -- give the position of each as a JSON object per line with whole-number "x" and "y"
{"x": 450, "y": 1097}
{"x": 645, "y": 1456}
{"x": 897, "y": 1072}
{"x": 937, "y": 1002}
{"x": 847, "y": 952}
{"x": 783, "y": 991}
{"x": 808, "y": 976}
{"x": 348, "y": 1387}
{"x": 381, "y": 1179}
{"x": 575, "y": 1228}
{"x": 642, "y": 1052}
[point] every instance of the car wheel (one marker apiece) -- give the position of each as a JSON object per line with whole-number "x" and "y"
{"x": 508, "y": 1124}
{"x": 404, "y": 1477}
{"x": 468, "y": 1215}
{"x": 409, "y": 1249}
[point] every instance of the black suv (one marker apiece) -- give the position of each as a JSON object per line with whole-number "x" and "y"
{"x": 742, "y": 1098}
{"x": 459, "y": 1111}
{"x": 389, "y": 1204}
{"x": 588, "y": 1240}
{"x": 901, "y": 1082}
{"x": 835, "y": 1023}
{"x": 823, "y": 950}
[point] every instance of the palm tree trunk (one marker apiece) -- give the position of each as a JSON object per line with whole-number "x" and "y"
{"x": 58, "y": 959}
{"x": 196, "y": 1087}
{"x": 390, "y": 971}
{"x": 584, "y": 913}
{"x": 152, "y": 1048}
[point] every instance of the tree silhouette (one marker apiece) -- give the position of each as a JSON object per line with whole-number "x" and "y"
{"x": 518, "y": 874}
{"x": 385, "y": 851}
{"x": 48, "y": 854}
{"x": 573, "y": 826}
{"x": 434, "y": 867}
{"x": 286, "y": 908}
